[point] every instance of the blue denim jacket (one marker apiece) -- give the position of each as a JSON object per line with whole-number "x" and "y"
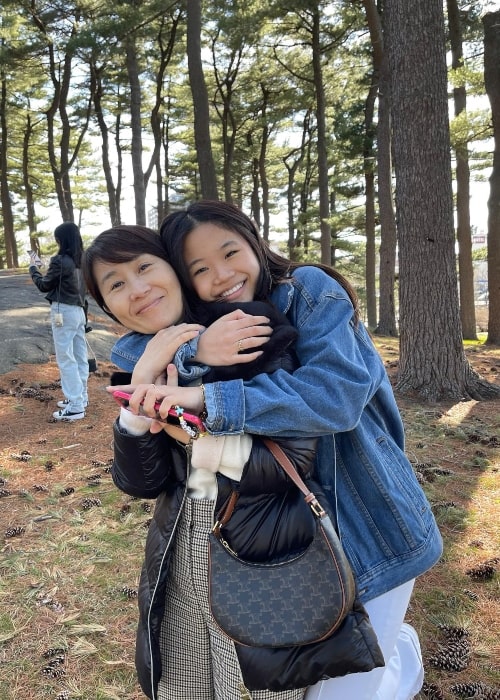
{"x": 340, "y": 392}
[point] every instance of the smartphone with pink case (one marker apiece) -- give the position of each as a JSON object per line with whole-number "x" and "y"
{"x": 173, "y": 418}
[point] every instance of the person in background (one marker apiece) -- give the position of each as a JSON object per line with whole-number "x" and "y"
{"x": 65, "y": 290}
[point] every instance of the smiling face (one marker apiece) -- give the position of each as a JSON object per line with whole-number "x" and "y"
{"x": 143, "y": 294}
{"x": 222, "y": 266}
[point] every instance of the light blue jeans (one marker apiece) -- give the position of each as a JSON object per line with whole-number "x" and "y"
{"x": 71, "y": 354}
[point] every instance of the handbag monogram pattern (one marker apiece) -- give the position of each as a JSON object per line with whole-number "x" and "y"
{"x": 277, "y": 604}
{"x": 267, "y": 605}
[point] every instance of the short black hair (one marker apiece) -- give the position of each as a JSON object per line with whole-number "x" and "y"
{"x": 118, "y": 245}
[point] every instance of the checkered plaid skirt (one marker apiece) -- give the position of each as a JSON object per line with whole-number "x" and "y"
{"x": 198, "y": 661}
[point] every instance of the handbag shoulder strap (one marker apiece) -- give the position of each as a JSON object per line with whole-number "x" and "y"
{"x": 225, "y": 512}
{"x": 59, "y": 285}
{"x": 284, "y": 461}
{"x": 227, "y": 509}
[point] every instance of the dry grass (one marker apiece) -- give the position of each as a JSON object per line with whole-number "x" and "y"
{"x": 68, "y": 576}
{"x": 68, "y": 580}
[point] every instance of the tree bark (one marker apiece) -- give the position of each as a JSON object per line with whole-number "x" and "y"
{"x": 388, "y": 240}
{"x": 136, "y": 128}
{"x": 61, "y": 136}
{"x": 203, "y": 143}
{"x": 225, "y": 84}
{"x": 164, "y": 197}
{"x": 296, "y": 157}
{"x": 369, "y": 168}
{"x": 465, "y": 267}
{"x": 292, "y": 168}
{"x": 5, "y": 198}
{"x": 432, "y": 358}
{"x": 328, "y": 248}
{"x": 164, "y": 51}
{"x": 254, "y": 195}
{"x": 28, "y": 189}
{"x": 491, "y": 23}
{"x": 388, "y": 235}
{"x": 96, "y": 91}
{"x": 264, "y": 182}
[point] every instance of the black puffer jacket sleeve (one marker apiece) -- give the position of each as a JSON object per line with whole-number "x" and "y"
{"x": 262, "y": 473}
{"x": 145, "y": 466}
{"x": 272, "y": 521}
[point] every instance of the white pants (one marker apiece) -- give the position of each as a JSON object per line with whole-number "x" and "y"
{"x": 402, "y": 676}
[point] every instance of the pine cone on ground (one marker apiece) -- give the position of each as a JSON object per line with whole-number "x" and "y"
{"x": 483, "y": 572}
{"x": 475, "y": 690}
{"x": 454, "y": 656}
{"x": 431, "y": 691}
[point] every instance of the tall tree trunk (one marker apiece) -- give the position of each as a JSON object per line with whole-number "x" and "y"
{"x": 59, "y": 169}
{"x": 7, "y": 214}
{"x": 60, "y": 137}
{"x": 136, "y": 128}
{"x": 388, "y": 233}
{"x": 432, "y": 358}
{"x": 328, "y": 248}
{"x": 465, "y": 267}
{"x": 290, "y": 197}
{"x": 225, "y": 81}
{"x": 119, "y": 163}
{"x": 96, "y": 90}
{"x": 491, "y": 23}
{"x": 65, "y": 194}
{"x": 203, "y": 143}
{"x": 254, "y": 195}
{"x": 28, "y": 189}
{"x": 388, "y": 237}
{"x": 303, "y": 230}
{"x": 164, "y": 209}
{"x": 369, "y": 160}
{"x": 228, "y": 137}
{"x": 298, "y": 155}
{"x": 264, "y": 182}
{"x": 164, "y": 54}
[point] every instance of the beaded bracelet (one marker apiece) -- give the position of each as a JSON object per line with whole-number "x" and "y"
{"x": 192, "y": 432}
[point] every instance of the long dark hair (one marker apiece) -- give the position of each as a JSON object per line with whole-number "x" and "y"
{"x": 70, "y": 242}
{"x": 273, "y": 267}
{"x": 118, "y": 245}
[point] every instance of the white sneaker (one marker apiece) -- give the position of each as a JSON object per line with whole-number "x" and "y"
{"x": 65, "y": 402}
{"x": 64, "y": 414}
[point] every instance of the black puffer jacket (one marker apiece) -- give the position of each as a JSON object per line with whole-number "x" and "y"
{"x": 277, "y": 520}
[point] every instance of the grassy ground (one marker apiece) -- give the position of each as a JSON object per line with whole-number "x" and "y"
{"x": 71, "y": 544}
